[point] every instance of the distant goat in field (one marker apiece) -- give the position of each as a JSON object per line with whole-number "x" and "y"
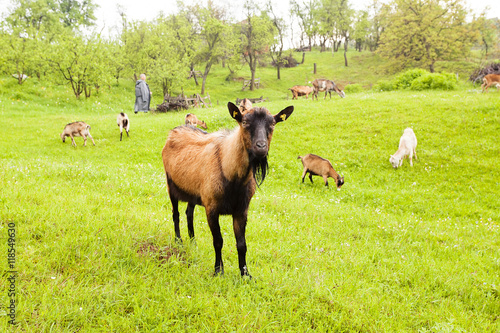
{"x": 78, "y": 128}
{"x": 319, "y": 166}
{"x": 490, "y": 80}
{"x": 301, "y": 91}
{"x": 407, "y": 147}
{"x": 220, "y": 171}
{"x": 327, "y": 86}
{"x": 191, "y": 119}
{"x": 245, "y": 105}
{"x": 123, "y": 122}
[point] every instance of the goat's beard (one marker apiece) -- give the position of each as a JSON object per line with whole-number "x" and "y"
{"x": 259, "y": 168}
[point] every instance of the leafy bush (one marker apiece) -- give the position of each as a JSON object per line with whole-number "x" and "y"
{"x": 384, "y": 85}
{"x": 404, "y": 80}
{"x": 353, "y": 88}
{"x": 442, "y": 81}
{"x": 419, "y": 79}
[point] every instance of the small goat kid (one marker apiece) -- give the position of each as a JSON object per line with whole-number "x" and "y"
{"x": 78, "y": 128}
{"x": 319, "y": 166}
{"x": 220, "y": 171}
{"x": 407, "y": 147}
{"x": 123, "y": 122}
{"x": 191, "y": 119}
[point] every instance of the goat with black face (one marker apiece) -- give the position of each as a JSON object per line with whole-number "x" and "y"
{"x": 220, "y": 171}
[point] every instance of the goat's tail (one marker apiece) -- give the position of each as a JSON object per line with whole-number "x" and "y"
{"x": 299, "y": 158}
{"x": 88, "y": 128}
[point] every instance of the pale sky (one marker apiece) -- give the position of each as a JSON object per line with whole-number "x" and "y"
{"x": 107, "y": 14}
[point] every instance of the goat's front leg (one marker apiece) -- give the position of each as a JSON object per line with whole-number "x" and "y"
{"x": 213, "y": 222}
{"x": 239, "y": 226}
{"x": 325, "y": 178}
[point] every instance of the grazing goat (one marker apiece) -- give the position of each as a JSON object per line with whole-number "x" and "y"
{"x": 327, "y": 86}
{"x": 489, "y": 80}
{"x": 220, "y": 171}
{"x": 319, "y": 166}
{"x": 123, "y": 122}
{"x": 191, "y": 119}
{"x": 301, "y": 91}
{"x": 78, "y": 128}
{"x": 407, "y": 147}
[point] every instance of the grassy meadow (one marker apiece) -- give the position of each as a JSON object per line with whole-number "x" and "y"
{"x": 414, "y": 249}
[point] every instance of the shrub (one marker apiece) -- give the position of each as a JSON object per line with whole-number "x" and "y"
{"x": 353, "y": 88}
{"x": 404, "y": 80}
{"x": 438, "y": 81}
{"x": 384, "y": 85}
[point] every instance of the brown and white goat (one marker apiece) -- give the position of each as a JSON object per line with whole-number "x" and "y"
{"x": 489, "y": 80}
{"x": 407, "y": 147}
{"x": 319, "y": 166}
{"x": 123, "y": 122}
{"x": 191, "y": 119}
{"x": 327, "y": 86}
{"x": 220, "y": 171}
{"x": 301, "y": 91}
{"x": 78, "y": 128}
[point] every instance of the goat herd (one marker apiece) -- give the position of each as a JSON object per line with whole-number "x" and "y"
{"x": 235, "y": 162}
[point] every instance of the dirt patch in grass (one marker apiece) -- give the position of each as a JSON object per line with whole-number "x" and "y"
{"x": 161, "y": 253}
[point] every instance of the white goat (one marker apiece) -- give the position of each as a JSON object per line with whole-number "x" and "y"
{"x": 407, "y": 147}
{"x": 123, "y": 122}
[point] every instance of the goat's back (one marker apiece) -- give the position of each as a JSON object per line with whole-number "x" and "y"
{"x": 316, "y": 164}
{"x": 76, "y": 128}
{"x": 408, "y": 139}
{"x": 190, "y": 158}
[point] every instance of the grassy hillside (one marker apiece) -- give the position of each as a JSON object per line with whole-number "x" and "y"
{"x": 409, "y": 250}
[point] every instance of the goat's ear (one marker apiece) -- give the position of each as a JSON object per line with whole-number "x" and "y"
{"x": 234, "y": 111}
{"x": 284, "y": 114}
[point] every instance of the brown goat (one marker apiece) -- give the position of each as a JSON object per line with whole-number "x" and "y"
{"x": 319, "y": 166}
{"x": 301, "y": 91}
{"x": 78, "y": 128}
{"x": 220, "y": 171}
{"x": 191, "y": 119}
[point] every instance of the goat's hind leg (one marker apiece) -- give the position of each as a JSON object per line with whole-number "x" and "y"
{"x": 175, "y": 217}
{"x": 190, "y": 217}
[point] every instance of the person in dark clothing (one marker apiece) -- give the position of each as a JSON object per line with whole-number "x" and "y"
{"x": 142, "y": 95}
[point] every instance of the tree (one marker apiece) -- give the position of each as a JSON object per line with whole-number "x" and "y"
{"x": 488, "y": 32}
{"x": 421, "y": 32}
{"x": 278, "y": 45}
{"x": 81, "y": 62}
{"x": 215, "y": 37}
{"x": 307, "y": 18}
{"x": 256, "y": 36}
{"x": 361, "y": 29}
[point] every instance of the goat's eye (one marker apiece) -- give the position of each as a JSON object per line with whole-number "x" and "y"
{"x": 244, "y": 123}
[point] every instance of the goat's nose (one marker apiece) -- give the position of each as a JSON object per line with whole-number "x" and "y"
{"x": 261, "y": 144}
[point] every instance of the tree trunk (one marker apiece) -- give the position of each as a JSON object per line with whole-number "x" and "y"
{"x": 303, "y": 57}
{"x": 279, "y": 71}
{"x": 345, "y": 53}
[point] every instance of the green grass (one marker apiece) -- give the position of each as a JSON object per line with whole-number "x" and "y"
{"x": 407, "y": 250}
